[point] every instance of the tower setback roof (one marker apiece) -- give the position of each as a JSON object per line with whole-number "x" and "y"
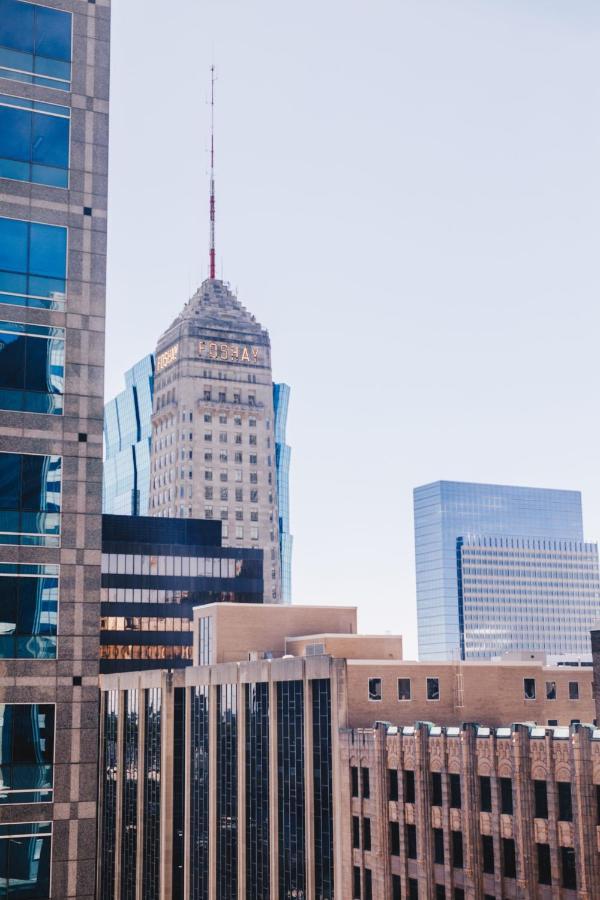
{"x": 214, "y": 305}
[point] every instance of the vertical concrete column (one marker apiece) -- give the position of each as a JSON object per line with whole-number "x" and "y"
{"x": 340, "y": 773}
{"x": 380, "y": 856}
{"x": 553, "y": 821}
{"x": 523, "y": 812}
{"x": 423, "y": 811}
{"x": 273, "y": 787}
{"x": 167, "y": 717}
{"x": 470, "y": 814}
{"x": 496, "y": 819}
{"x": 309, "y": 806}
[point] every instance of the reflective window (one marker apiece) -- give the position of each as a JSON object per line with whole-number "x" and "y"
{"x": 152, "y": 782}
{"x": 25, "y": 860}
{"x": 179, "y": 792}
{"x": 323, "y": 789}
{"x": 108, "y": 791}
{"x": 129, "y": 814}
{"x": 29, "y": 611}
{"x": 34, "y": 141}
{"x": 257, "y": 791}
{"x": 33, "y": 264}
{"x": 199, "y": 777}
{"x": 27, "y": 752}
{"x": 30, "y": 490}
{"x": 227, "y": 793}
{"x": 35, "y": 44}
{"x": 291, "y": 788}
{"x": 32, "y": 368}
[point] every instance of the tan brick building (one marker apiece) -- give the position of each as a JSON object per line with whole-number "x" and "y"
{"x": 235, "y": 777}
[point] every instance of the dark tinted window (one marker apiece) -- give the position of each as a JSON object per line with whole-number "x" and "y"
{"x": 356, "y": 883}
{"x": 438, "y": 846}
{"x": 433, "y": 689}
{"x": 485, "y": 790}
{"x": 291, "y": 788}
{"x": 529, "y": 688}
{"x": 487, "y": 852}
{"x": 506, "y": 796}
{"x": 396, "y": 888}
{"x": 354, "y": 780}
{"x": 540, "y": 789}
{"x": 457, "y": 849}
{"x": 404, "y": 689}
{"x": 411, "y": 841}
{"x": 366, "y": 834}
{"x": 25, "y": 860}
{"x": 368, "y": 885}
{"x": 26, "y": 752}
{"x": 573, "y": 690}
{"x": 29, "y": 499}
{"x": 440, "y": 892}
{"x": 392, "y": 784}
{"x": 544, "y": 864}
{"x": 413, "y": 889}
{"x": 436, "y": 789}
{"x": 568, "y": 868}
{"x": 509, "y": 860}
{"x": 565, "y": 805}
{"x": 366, "y": 788}
{"x": 32, "y": 361}
{"x": 356, "y": 832}
{"x": 394, "y": 839}
{"x": 409, "y": 786}
{"x": 322, "y": 790}
{"x": 455, "y": 794}
{"x": 29, "y": 611}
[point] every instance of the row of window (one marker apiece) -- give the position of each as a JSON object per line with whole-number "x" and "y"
{"x": 176, "y": 566}
{"x": 432, "y": 689}
{"x": 35, "y": 44}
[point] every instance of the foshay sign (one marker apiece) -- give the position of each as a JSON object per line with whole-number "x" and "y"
{"x": 210, "y": 350}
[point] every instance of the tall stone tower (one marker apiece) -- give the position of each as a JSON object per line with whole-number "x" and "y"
{"x": 213, "y": 425}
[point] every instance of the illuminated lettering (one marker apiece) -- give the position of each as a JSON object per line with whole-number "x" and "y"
{"x": 224, "y": 352}
{"x": 167, "y": 358}
{"x": 228, "y": 352}
{"x": 212, "y": 350}
{"x": 245, "y": 357}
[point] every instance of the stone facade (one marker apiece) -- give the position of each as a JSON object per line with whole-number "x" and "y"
{"x": 213, "y": 425}
{"x": 69, "y": 682}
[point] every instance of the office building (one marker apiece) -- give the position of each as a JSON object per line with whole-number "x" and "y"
{"x": 213, "y": 425}
{"x": 596, "y": 665}
{"x": 54, "y": 69}
{"x": 154, "y": 572}
{"x": 500, "y": 569}
{"x": 127, "y": 448}
{"x": 469, "y": 812}
{"x": 127, "y": 440}
{"x": 281, "y": 399}
{"x": 233, "y": 777}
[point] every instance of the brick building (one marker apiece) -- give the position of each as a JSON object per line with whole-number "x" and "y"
{"x": 234, "y": 777}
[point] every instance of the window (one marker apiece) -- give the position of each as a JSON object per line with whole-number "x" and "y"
{"x": 364, "y": 777}
{"x": 552, "y": 723}
{"x": 404, "y": 689}
{"x": 394, "y": 839}
{"x": 356, "y": 832}
{"x": 33, "y": 264}
{"x": 29, "y": 611}
{"x": 35, "y": 44}
{"x": 485, "y": 793}
{"x": 438, "y": 846}
{"x": 253, "y": 533}
{"x": 239, "y": 532}
{"x": 411, "y": 841}
{"x": 487, "y": 852}
{"x": 253, "y": 496}
{"x": 565, "y": 803}
{"x": 455, "y": 795}
{"x": 433, "y": 689}
{"x": 413, "y": 889}
{"x": 568, "y": 868}
{"x": 457, "y": 849}
{"x": 573, "y": 690}
{"x": 366, "y": 834}
{"x": 509, "y": 859}
{"x": 540, "y": 796}
{"x": 368, "y": 885}
{"x": 506, "y": 796}
{"x": 436, "y": 789}
{"x": 544, "y": 864}
{"x": 550, "y": 690}
{"x": 396, "y": 888}
{"x": 25, "y": 858}
{"x": 34, "y": 141}
{"x": 409, "y": 786}
{"x": 529, "y": 688}
{"x": 355, "y": 883}
{"x": 239, "y": 495}
{"x": 374, "y": 688}
{"x": 26, "y": 752}
{"x": 30, "y": 492}
{"x": 440, "y": 892}
{"x": 459, "y": 894}
{"x": 392, "y": 784}
{"x": 354, "y": 780}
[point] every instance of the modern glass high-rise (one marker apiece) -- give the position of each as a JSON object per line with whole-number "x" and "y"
{"x": 127, "y": 441}
{"x": 54, "y": 64}
{"x": 502, "y": 568}
{"x": 281, "y": 399}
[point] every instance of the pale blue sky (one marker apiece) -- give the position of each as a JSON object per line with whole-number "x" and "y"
{"x": 408, "y": 197}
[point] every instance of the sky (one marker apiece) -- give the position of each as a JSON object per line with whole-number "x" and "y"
{"x": 408, "y": 198}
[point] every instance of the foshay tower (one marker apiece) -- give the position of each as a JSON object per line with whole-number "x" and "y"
{"x": 213, "y": 423}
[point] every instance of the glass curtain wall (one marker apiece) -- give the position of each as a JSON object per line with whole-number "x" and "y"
{"x": 291, "y": 789}
{"x": 152, "y": 787}
{"x": 322, "y": 788}
{"x": 130, "y": 797}
{"x": 108, "y": 786}
{"x": 227, "y": 793}
{"x": 257, "y": 791}
{"x": 199, "y": 781}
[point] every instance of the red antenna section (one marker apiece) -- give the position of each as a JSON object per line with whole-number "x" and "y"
{"x": 212, "y": 265}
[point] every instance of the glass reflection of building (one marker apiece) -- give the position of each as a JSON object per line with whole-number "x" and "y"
{"x": 501, "y": 569}
{"x": 127, "y": 436}
{"x": 53, "y": 124}
{"x": 281, "y": 399}
{"x": 154, "y": 572}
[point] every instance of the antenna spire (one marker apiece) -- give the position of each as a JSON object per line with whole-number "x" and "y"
{"x": 212, "y": 265}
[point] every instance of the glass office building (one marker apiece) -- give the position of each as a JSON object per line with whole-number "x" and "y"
{"x": 127, "y": 437}
{"x": 54, "y": 72}
{"x": 281, "y": 399}
{"x": 500, "y": 569}
{"x": 154, "y": 572}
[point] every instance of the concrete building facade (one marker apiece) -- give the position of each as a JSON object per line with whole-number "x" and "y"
{"x": 235, "y": 776}
{"x": 54, "y": 93}
{"x": 213, "y": 425}
{"x": 500, "y": 569}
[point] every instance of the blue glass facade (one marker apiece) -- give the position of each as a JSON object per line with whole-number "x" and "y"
{"x": 448, "y": 513}
{"x": 35, "y": 44}
{"x": 127, "y": 436}
{"x": 34, "y": 141}
{"x": 33, "y": 264}
{"x": 281, "y": 399}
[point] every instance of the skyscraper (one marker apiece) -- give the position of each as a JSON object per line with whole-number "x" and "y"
{"x": 502, "y": 568}
{"x": 53, "y": 172}
{"x": 213, "y": 425}
{"x": 281, "y": 399}
{"x": 127, "y": 439}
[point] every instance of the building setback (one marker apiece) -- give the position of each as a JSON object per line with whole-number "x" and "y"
{"x": 154, "y": 572}
{"x": 501, "y": 569}
{"x": 234, "y": 778}
{"x": 213, "y": 425}
{"x": 54, "y": 71}
{"x": 127, "y": 439}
